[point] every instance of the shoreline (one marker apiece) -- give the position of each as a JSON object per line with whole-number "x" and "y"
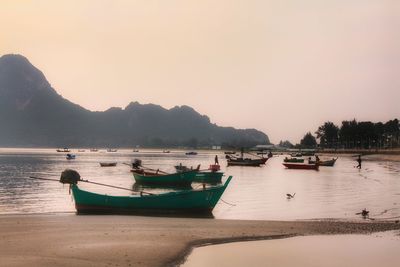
{"x": 66, "y": 239}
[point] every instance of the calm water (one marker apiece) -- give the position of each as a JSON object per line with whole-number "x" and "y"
{"x": 378, "y": 249}
{"x": 254, "y": 193}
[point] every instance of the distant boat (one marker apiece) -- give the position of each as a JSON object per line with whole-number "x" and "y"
{"x": 325, "y": 163}
{"x": 293, "y": 160}
{"x": 185, "y": 201}
{"x": 94, "y": 150}
{"x": 112, "y": 150}
{"x": 166, "y": 151}
{"x": 70, "y": 156}
{"x": 296, "y": 155}
{"x": 301, "y": 166}
{"x": 229, "y": 152}
{"x": 135, "y": 150}
{"x": 108, "y": 164}
{"x": 233, "y": 161}
{"x": 191, "y": 153}
{"x": 81, "y": 150}
{"x": 65, "y": 150}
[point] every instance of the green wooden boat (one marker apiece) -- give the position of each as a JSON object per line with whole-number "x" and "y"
{"x": 186, "y": 201}
{"x": 155, "y": 178}
{"x": 208, "y": 177}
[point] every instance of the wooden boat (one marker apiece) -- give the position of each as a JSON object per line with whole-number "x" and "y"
{"x": 166, "y": 151}
{"x": 244, "y": 162}
{"x": 301, "y": 166}
{"x": 229, "y": 152}
{"x": 63, "y": 150}
{"x": 70, "y": 156}
{"x": 294, "y": 160}
{"x": 212, "y": 175}
{"x": 325, "y": 163}
{"x": 156, "y": 178}
{"x": 191, "y": 153}
{"x": 108, "y": 164}
{"x": 94, "y": 150}
{"x": 185, "y": 201}
{"x": 112, "y": 150}
{"x": 208, "y": 177}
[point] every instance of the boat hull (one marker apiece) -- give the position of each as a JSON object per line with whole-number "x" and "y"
{"x": 108, "y": 164}
{"x": 175, "y": 179}
{"x": 186, "y": 201}
{"x": 293, "y": 160}
{"x": 326, "y": 163}
{"x": 301, "y": 166}
{"x": 245, "y": 162}
{"x": 208, "y": 177}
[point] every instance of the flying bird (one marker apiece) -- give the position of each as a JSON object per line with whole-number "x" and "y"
{"x": 289, "y": 196}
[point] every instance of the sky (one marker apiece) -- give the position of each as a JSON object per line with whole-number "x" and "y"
{"x": 280, "y": 66}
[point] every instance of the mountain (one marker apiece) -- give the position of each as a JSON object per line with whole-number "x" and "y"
{"x": 33, "y": 114}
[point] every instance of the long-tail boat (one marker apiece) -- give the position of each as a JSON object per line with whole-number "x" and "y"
{"x": 64, "y": 150}
{"x": 301, "y": 166}
{"x": 325, "y": 163}
{"x": 185, "y": 201}
{"x": 160, "y": 178}
{"x": 293, "y": 160}
{"x": 108, "y": 164}
{"x": 212, "y": 175}
{"x": 70, "y": 156}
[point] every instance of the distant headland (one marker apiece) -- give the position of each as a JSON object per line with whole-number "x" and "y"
{"x": 33, "y": 114}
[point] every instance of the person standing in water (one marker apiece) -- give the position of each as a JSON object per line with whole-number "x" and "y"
{"x": 359, "y": 162}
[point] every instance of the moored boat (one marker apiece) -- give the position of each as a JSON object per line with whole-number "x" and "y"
{"x": 325, "y": 163}
{"x": 183, "y": 202}
{"x": 185, "y": 178}
{"x": 108, "y": 164}
{"x": 191, "y": 153}
{"x": 245, "y": 162}
{"x": 212, "y": 175}
{"x": 208, "y": 177}
{"x": 293, "y": 160}
{"x": 70, "y": 156}
{"x": 63, "y": 150}
{"x": 301, "y": 166}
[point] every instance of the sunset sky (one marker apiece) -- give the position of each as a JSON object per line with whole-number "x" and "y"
{"x": 283, "y": 67}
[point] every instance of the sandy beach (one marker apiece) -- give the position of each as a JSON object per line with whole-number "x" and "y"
{"x": 70, "y": 240}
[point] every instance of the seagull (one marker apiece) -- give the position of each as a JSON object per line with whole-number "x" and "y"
{"x": 289, "y": 196}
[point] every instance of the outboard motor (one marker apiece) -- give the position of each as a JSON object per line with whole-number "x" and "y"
{"x": 69, "y": 176}
{"x": 136, "y": 163}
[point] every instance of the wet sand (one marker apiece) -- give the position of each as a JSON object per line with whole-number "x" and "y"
{"x": 378, "y": 249}
{"x": 70, "y": 240}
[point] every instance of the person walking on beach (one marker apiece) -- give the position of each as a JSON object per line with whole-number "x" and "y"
{"x": 359, "y": 162}
{"x": 216, "y": 160}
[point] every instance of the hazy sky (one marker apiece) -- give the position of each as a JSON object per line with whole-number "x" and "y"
{"x": 283, "y": 67}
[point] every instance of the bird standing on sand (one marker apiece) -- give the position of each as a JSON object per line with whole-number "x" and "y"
{"x": 289, "y": 196}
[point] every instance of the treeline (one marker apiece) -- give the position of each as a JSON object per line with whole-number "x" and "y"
{"x": 355, "y": 135}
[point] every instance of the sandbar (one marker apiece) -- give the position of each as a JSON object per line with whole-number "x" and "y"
{"x": 101, "y": 240}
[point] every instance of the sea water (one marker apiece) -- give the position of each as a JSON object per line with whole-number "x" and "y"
{"x": 377, "y": 249}
{"x": 255, "y": 193}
